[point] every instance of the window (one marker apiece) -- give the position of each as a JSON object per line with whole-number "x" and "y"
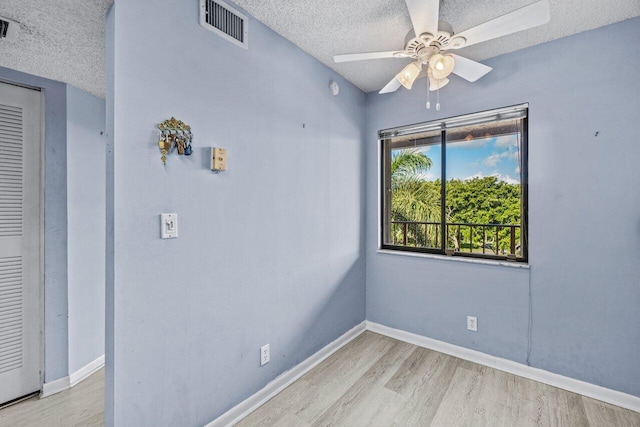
{"x": 457, "y": 186}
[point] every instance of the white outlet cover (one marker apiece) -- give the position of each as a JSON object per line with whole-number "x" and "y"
{"x": 472, "y": 323}
{"x": 265, "y": 355}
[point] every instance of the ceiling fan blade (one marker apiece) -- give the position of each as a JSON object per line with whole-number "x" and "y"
{"x": 392, "y": 86}
{"x": 424, "y": 15}
{"x": 469, "y": 69}
{"x": 369, "y": 55}
{"x": 521, "y": 19}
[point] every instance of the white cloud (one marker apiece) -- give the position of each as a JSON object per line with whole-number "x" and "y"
{"x": 495, "y": 158}
{"x": 504, "y": 178}
{"x": 517, "y": 169}
{"x": 475, "y": 175}
{"x": 514, "y": 154}
{"x": 506, "y": 141}
{"x": 507, "y": 179}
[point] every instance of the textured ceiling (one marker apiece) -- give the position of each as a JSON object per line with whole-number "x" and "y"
{"x": 324, "y": 28}
{"x": 64, "y": 39}
{"x": 60, "y": 40}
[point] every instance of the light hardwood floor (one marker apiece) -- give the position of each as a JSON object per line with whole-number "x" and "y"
{"x": 82, "y": 405}
{"x": 373, "y": 381}
{"x": 378, "y": 381}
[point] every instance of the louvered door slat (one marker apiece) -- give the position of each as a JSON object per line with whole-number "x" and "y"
{"x": 12, "y": 121}
{"x": 20, "y": 213}
{"x": 11, "y": 173}
{"x": 11, "y": 212}
{"x": 10, "y": 140}
{"x": 10, "y": 133}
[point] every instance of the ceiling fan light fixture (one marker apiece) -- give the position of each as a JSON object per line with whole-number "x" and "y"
{"x": 409, "y": 74}
{"x": 429, "y": 36}
{"x": 438, "y": 84}
{"x": 435, "y": 84}
{"x": 441, "y": 65}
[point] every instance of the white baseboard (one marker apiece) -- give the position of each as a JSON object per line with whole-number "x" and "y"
{"x": 603, "y": 394}
{"x": 66, "y": 383}
{"x": 86, "y": 371}
{"x": 54, "y": 387}
{"x": 285, "y": 379}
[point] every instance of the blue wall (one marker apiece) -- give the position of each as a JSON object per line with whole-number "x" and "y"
{"x": 270, "y": 251}
{"x": 583, "y": 210}
{"x": 55, "y": 209}
{"x": 86, "y": 175}
{"x": 109, "y": 353}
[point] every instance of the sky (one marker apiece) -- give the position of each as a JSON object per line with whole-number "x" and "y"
{"x": 495, "y": 156}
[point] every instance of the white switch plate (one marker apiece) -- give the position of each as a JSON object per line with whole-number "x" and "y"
{"x": 168, "y": 225}
{"x": 472, "y": 323}
{"x": 265, "y": 355}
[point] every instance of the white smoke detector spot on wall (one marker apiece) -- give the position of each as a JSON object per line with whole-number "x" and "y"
{"x": 334, "y": 87}
{"x": 8, "y": 29}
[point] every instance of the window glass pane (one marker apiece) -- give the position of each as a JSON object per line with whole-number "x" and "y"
{"x": 413, "y": 184}
{"x": 483, "y": 189}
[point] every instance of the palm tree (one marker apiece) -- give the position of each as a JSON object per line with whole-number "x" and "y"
{"x": 409, "y": 163}
{"x": 413, "y": 198}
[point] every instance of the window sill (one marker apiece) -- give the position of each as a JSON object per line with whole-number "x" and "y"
{"x": 509, "y": 264}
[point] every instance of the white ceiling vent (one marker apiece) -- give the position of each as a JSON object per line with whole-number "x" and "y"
{"x": 224, "y": 20}
{"x": 8, "y": 29}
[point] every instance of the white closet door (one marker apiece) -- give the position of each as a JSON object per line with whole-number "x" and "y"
{"x": 20, "y": 344}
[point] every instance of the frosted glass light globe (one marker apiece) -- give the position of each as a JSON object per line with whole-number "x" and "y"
{"x": 409, "y": 74}
{"x": 441, "y": 65}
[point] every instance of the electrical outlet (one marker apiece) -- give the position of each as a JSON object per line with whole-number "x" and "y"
{"x": 265, "y": 355}
{"x": 472, "y": 323}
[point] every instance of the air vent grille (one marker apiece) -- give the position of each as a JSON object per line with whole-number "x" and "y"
{"x": 4, "y": 29}
{"x": 224, "y": 20}
{"x": 8, "y": 28}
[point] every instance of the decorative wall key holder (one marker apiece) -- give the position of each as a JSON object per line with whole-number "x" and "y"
{"x": 174, "y": 135}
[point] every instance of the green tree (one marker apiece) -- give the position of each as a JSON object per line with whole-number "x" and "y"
{"x": 485, "y": 200}
{"x": 409, "y": 164}
{"x": 413, "y": 198}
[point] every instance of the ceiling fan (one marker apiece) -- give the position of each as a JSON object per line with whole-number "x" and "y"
{"x": 430, "y": 40}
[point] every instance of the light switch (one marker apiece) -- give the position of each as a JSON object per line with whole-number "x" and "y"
{"x": 168, "y": 226}
{"x": 218, "y": 159}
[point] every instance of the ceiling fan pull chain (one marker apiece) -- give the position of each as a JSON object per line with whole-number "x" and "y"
{"x": 428, "y": 101}
{"x": 438, "y": 99}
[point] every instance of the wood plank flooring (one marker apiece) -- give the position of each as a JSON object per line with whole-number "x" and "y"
{"x": 373, "y": 381}
{"x": 378, "y": 381}
{"x": 82, "y": 405}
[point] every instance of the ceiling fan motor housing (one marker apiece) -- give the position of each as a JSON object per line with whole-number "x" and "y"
{"x": 426, "y": 45}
